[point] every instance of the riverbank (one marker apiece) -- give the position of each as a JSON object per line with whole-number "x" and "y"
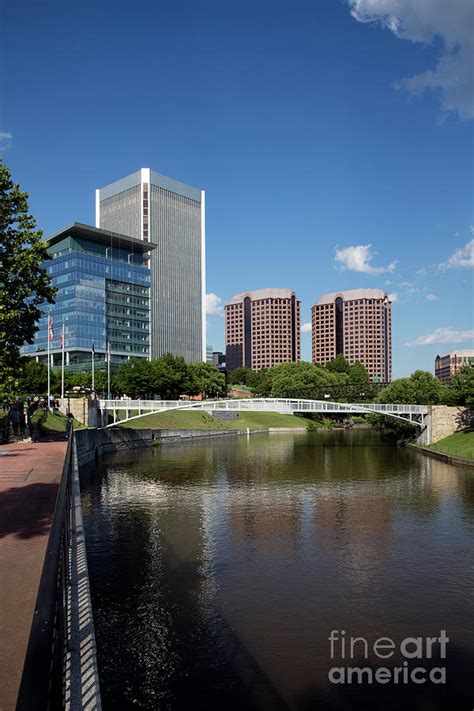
{"x": 45, "y": 422}
{"x": 198, "y": 420}
{"x": 458, "y": 448}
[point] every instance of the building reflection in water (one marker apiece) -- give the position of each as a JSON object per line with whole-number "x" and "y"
{"x": 219, "y": 568}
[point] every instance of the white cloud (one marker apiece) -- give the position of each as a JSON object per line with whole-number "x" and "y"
{"x": 393, "y": 297}
{"x": 214, "y": 305}
{"x": 442, "y": 335}
{"x": 431, "y": 297}
{"x": 450, "y": 22}
{"x": 462, "y": 257}
{"x": 306, "y": 328}
{"x": 5, "y": 140}
{"x": 358, "y": 259}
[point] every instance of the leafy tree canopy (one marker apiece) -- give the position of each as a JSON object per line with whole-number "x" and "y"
{"x": 300, "y": 380}
{"x": 24, "y": 282}
{"x": 33, "y": 377}
{"x": 358, "y": 375}
{"x": 205, "y": 378}
{"x": 338, "y": 365}
{"x": 461, "y": 387}
{"x": 421, "y": 388}
{"x": 240, "y": 376}
{"x": 166, "y": 377}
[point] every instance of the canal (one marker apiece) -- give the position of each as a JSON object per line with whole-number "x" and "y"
{"x": 219, "y": 570}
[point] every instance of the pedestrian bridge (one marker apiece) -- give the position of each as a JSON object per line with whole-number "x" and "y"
{"x": 132, "y": 409}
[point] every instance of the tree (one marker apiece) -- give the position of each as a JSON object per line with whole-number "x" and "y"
{"x": 170, "y": 376}
{"x": 135, "y": 378}
{"x": 24, "y": 284}
{"x": 359, "y": 380}
{"x": 338, "y": 365}
{"x": 240, "y": 376}
{"x": 421, "y": 388}
{"x": 301, "y": 380}
{"x": 205, "y": 378}
{"x": 33, "y": 377}
{"x": 461, "y": 387}
{"x": 167, "y": 377}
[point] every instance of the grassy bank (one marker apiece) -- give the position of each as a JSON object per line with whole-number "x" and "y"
{"x": 189, "y": 420}
{"x": 50, "y": 423}
{"x": 459, "y": 444}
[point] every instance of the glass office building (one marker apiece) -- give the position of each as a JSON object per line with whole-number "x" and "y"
{"x": 103, "y": 298}
{"x": 150, "y": 206}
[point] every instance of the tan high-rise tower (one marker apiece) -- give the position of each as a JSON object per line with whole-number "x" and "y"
{"x": 358, "y": 324}
{"x": 262, "y": 328}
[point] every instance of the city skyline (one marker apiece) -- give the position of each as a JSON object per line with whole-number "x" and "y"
{"x": 328, "y": 162}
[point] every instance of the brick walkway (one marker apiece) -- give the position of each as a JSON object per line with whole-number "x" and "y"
{"x": 29, "y": 478}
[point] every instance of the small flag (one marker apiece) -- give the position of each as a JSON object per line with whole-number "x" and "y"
{"x": 61, "y": 341}
{"x": 50, "y": 328}
{"x": 93, "y": 349}
{"x": 107, "y": 355}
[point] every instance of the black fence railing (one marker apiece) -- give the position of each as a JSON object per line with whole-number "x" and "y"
{"x": 43, "y": 680}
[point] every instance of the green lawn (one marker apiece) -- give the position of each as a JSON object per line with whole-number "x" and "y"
{"x": 50, "y": 423}
{"x": 459, "y": 444}
{"x": 197, "y": 420}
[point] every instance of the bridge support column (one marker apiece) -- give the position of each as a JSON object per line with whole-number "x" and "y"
{"x": 425, "y": 433}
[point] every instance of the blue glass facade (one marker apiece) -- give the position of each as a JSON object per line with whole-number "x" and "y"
{"x": 103, "y": 297}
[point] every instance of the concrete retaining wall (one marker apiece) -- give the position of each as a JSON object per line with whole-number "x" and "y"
{"x": 165, "y": 436}
{"x": 443, "y": 457}
{"x": 94, "y": 443}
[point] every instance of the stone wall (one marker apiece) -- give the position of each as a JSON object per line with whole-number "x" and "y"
{"x": 225, "y": 414}
{"x": 83, "y": 409}
{"x": 446, "y": 420}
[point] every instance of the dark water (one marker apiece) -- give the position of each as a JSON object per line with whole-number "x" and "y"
{"x": 219, "y": 569}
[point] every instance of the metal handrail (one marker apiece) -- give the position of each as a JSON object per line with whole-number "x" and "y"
{"x": 294, "y": 404}
{"x": 42, "y": 683}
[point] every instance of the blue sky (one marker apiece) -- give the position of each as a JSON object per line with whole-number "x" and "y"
{"x": 334, "y": 142}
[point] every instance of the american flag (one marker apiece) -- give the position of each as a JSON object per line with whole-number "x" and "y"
{"x": 50, "y": 328}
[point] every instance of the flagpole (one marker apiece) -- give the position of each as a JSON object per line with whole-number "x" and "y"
{"x": 49, "y": 363}
{"x": 108, "y": 371}
{"x": 93, "y": 370}
{"x": 62, "y": 366}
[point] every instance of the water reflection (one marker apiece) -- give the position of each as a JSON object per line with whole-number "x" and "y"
{"x": 218, "y": 569}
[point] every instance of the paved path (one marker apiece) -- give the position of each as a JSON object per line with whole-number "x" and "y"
{"x": 29, "y": 478}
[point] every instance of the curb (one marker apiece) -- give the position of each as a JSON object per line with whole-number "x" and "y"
{"x": 442, "y": 457}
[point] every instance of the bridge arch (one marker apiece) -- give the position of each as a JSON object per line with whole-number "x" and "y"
{"x": 411, "y": 414}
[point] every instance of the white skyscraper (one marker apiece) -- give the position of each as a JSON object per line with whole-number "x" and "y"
{"x": 154, "y": 208}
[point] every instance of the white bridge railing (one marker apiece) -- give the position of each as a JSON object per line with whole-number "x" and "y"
{"x": 137, "y": 408}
